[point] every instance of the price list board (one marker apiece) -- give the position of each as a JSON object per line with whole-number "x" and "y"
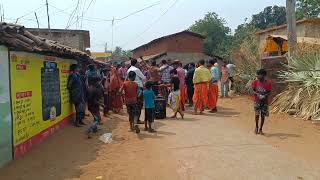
{"x": 40, "y": 99}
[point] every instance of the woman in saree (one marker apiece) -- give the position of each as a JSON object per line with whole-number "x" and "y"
{"x": 114, "y": 87}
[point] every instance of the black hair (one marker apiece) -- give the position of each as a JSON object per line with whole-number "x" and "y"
{"x": 91, "y": 66}
{"x": 211, "y": 61}
{"x": 148, "y": 85}
{"x": 176, "y": 83}
{"x": 73, "y": 67}
{"x": 262, "y": 72}
{"x": 132, "y": 75}
{"x": 164, "y": 61}
{"x": 153, "y": 63}
{"x": 174, "y": 71}
{"x": 134, "y": 62}
{"x": 192, "y": 64}
{"x": 201, "y": 62}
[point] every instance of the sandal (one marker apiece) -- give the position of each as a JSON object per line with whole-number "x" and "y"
{"x": 137, "y": 129}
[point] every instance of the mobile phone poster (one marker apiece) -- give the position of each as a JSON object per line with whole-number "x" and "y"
{"x": 39, "y": 98}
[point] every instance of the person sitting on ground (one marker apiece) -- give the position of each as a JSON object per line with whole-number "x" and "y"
{"x": 174, "y": 96}
{"x": 131, "y": 90}
{"x": 262, "y": 89}
{"x": 149, "y": 105}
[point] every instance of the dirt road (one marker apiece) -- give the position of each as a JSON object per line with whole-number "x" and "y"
{"x": 211, "y": 146}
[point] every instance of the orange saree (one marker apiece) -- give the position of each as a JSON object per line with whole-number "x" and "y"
{"x": 200, "y": 96}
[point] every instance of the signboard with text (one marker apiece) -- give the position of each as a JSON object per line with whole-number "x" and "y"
{"x": 40, "y": 99}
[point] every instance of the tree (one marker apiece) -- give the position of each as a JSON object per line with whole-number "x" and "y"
{"x": 308, "y": 8}
{"x": 270, "y": 16}
{"x": 118, "y": 51}
{"x": 244, "y": 32}
{"x": 127, "y": 53}
{"x": 217, "y": 34}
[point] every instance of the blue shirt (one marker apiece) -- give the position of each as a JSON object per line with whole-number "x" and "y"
{"x": 215, "y": 73}
{"x": 148, "y": 96}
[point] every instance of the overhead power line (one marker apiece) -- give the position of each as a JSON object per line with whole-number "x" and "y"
{"x": 138, "y": 11}
{"x": 28, "y": 13}
{"x": 152, "y": 23}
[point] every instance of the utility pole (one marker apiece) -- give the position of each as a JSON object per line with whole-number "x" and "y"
{"x": 112, "y": 34}
{"x": 291, "y": 25}
{"x": 1, "y": 13}
{"x": 106, "y": 47}
{"x": 35, "y": 14}
{"x": 47, "y": 4}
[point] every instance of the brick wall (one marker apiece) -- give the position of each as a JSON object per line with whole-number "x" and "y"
{"x": 273, "y": 65}
{"x": 78, "y": 39}
{"x": 181, "y": 43}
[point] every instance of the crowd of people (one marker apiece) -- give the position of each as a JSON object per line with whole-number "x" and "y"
{"x": 139, "y": 84}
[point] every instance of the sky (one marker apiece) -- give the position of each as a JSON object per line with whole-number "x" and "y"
{"x": 157, "y": 18}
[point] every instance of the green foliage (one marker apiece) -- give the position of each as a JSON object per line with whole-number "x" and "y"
{"x": 244, "y": 32}
{"x": 120, "y": 52}
{"x": 246, "y": 58}
{"x": 304, "y": 69}
{"x": 218, "y": 38}
{"x": 302, "y": 95}
{"x": 308, "y": 8}
{"x": 270, "y": 16}
{"x": 117, "y": 51}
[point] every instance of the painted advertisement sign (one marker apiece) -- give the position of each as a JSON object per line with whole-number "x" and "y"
{"x": 40, "y": 99}
{"x": 5, "y": 110}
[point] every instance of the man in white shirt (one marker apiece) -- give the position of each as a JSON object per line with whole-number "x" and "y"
{"x": 230, "y": 68}
{"x": 140, "y": 79}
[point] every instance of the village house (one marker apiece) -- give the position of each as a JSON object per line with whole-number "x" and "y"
{"x": 308, "y": 31}
{"x": 186, "y": 46}
{"x": 78, "y": 39}
{"x": 273, "y": 47}
{"x": 34, "y": 100}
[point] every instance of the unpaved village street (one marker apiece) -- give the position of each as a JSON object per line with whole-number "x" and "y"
{"x": 211, "y": 146}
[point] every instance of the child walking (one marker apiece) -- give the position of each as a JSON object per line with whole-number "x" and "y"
{"x": 174, "y": 97}
{"x": 149, "y": 105}
{"x": 130, "y": 89}
{"x": 262, "y": 89}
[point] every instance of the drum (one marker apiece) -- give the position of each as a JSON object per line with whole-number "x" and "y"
{"x": 160, "y": 108}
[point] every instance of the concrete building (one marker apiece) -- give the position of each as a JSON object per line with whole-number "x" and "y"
{"x": 185, "y": 46}
{"x": 101, "y": 56}
{"x": 305, "y": 28}
{"x": 79, "y": 39}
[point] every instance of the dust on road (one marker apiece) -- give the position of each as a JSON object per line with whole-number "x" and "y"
{"x": 212, "y": 146}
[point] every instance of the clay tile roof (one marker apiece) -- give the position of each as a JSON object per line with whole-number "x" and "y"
{"x": 17, "y": 37}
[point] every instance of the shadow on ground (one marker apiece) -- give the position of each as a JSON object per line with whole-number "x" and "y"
{"x": 66, "y": 151}
{"x": 282, "y": 135}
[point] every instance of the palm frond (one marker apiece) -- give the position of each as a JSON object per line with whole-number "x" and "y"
{"x": 303, "y": 92}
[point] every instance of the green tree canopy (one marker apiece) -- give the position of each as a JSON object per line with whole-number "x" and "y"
{"x": 217, "y": 34}
{"x": 308, "y": 8}
{"x": 270, "y": 16}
